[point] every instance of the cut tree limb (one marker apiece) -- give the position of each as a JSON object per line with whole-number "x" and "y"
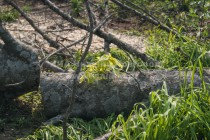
{"x": 30, "y": 21}
{"x": 107, "y": 36}
{"x": 150, "y": 19}
{"x": 16, "y": 48}
{"x": 19, "y": 67}
{"x": 52, "y": 67}
{"x": 113, "y": 95}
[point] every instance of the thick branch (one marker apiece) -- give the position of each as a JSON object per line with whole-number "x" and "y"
{"x": 107, "y": 36}
{"x": 30, "y": 21}
{"x": 151, "y": 20}
{"x": 17, "y": 49}
{"x": 52, "y": 67}
{"x": 19, "y": 67}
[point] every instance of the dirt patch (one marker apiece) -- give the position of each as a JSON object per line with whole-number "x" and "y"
{"x": 63, "y": 32}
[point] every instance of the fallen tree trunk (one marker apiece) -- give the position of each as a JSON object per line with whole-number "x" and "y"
{"x": 113, "y": 95}
{"x": 17, "y": 76}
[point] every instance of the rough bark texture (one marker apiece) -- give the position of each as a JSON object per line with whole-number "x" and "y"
{"x": 17, "y": 76}
{"x": 19, "y": 67}
{"x": 113, "y": 95}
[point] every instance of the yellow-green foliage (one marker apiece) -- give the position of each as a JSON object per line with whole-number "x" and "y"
{"x": 105, "y": 64}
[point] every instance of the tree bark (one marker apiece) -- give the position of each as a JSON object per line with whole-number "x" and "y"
{"x": 112, "y": 95}
{"x": 19, "y": 67}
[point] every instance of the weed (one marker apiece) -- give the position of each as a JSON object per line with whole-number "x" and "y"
{"x": 76, "y": 6}
{"x": 8, "y": 15}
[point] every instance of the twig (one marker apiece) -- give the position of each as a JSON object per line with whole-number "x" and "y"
{"x": 106, "y": 4}
{"x": 107, "y": 36}
{"x": 150, "y": 19}
{"x": 47, "y": 31}
{"x": 83, "y": 38}
{"x": 15, "y": 84}
{"x": 52, "y": 67}
{"x": 61, "y": 49}
{"x": 138, "y": 7}
{"x": 74, "y": 86}
{"x": 139, "y": 87}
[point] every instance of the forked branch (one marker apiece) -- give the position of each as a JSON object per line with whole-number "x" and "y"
{"x": 106, "y": 36}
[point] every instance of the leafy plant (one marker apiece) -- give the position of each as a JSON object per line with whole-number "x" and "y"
{"x": 8, "y": 15}
{"x": 105, "y": 64}
{"x": 26, "y": 8}
{"x": 76, "y": 6}
{"x": 130, "y": 63}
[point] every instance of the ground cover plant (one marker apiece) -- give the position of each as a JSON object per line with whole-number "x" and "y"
{"x": 78, "y": 129}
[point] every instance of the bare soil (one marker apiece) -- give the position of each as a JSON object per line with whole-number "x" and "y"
{"x": 63, "y": 32}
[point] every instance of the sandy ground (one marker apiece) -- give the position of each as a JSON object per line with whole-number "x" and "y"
{"x": 63, "y": 32}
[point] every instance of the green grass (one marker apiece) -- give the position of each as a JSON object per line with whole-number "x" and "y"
{"x": 171, "y": 52}
{"x": 185, "y": 115}
{"x": 167, "y": 117}
{"x": 78, "y": 130}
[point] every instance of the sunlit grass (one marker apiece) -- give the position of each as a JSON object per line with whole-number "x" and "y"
{"x": 78, "y": 130}
{"x": 167, "y": 117}
{"x": 171, "y": 52}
